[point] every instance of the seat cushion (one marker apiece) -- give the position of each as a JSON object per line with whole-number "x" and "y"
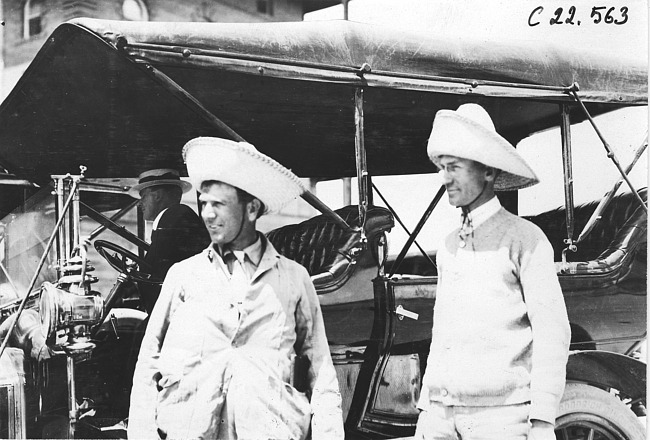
{"x": 327, "y": 250}
{"x": 611, "y": 231}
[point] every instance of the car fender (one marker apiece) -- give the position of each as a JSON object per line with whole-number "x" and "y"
{"x": 606, "y": 370}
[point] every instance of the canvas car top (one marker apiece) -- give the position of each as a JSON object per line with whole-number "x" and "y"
{"x": 119, "y": 105}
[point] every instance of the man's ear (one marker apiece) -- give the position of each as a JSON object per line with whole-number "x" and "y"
{"x": 154, "y": 194}
{"x": 491, "y": 174}
{"x": 253, "y": 209}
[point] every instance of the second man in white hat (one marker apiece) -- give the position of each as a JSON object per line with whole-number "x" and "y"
{"x": 499, "y": 347}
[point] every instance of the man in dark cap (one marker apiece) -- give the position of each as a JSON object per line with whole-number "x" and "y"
{"x": 177, "y": 232}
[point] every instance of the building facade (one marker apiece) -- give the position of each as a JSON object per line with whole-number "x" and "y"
{"x": 29, "y": 22}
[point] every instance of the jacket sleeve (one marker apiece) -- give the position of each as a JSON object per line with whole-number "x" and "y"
{"x": 550, "y": 329}
{"x": 327, "y": 419}
{"x": 142, "y": 412}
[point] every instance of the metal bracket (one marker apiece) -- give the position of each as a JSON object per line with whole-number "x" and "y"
{"x": 401, "y": 312}
{"x": 365, "y": 68}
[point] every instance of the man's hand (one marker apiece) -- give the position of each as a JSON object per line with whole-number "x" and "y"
{"x": 541, "y": 430}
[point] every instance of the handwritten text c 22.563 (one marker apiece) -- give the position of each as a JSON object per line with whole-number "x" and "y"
{"x": 616, "y": 15}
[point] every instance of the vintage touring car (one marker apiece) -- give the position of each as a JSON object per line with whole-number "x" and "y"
{"x": 104, "y": 100}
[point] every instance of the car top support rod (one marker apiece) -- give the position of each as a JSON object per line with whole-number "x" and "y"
{"x": 607, "y": 198}
{"x": 399, "y": 220}
{"x": 121, "y": 43}
{"x": 360, "y": 155}
{"x": 276, "y": 66}
{"x": 567, "y": 162}
{"x": 417, "y": 230}
{"x": 109, "y": 223}
{"x": 114, "y": 218}
{"x": 185, "y": 97}
{"x": 610, "y": 153}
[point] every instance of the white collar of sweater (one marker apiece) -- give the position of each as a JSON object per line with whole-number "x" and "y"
{"x": 485, "y": 211}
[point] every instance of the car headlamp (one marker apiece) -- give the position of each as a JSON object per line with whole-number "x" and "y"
{"x": 60, "y": 309}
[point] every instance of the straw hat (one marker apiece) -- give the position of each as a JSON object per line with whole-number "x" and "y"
{"x": 469, "y": 133}
{"x": 239, "y": 164}
{"x": 160, "y": 176}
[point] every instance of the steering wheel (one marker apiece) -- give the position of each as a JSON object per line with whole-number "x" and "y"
{"x": 126, "y": 262}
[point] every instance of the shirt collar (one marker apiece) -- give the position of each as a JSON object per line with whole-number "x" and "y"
{"x": 268, "y": 260}
{"x": 485, "y": 211}
{"x": 157, "y": 219}
{"x": 254, "y": 252}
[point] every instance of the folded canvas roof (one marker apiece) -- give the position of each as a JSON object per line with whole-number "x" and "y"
{"x": 120, "y": 97}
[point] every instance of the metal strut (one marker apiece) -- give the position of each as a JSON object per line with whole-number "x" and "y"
{"x": 195, "y": 105}
{"x": 565, "y": 131}
{"x": 573, "y": 90}
{"x": 399, "y": 220}
{"x": 46, "y": 251}
{"x": 607, "y": 198}
{"x": 417, "y": 230}
{"x": 360, "y": 152}
{"x": 137, "y": 49}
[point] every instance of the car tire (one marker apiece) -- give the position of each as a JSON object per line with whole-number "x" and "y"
{"x": 589, "y": 412}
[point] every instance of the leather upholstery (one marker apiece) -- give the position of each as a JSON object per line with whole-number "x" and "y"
{"x": 621, "y": 228}
{"x": 325, "y": 249}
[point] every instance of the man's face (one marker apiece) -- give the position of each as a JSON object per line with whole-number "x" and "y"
{"x": 222, "y": 212}
{"x": 149, "y": 203}
{"x": 464, "y": 179}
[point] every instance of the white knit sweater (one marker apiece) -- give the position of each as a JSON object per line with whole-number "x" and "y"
{"x": 501, "y": 333}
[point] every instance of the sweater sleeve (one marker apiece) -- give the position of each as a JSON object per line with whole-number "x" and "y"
{"x": 550, "y": 328}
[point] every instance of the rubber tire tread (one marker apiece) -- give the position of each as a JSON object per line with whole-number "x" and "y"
{"x": 583, "y": 398}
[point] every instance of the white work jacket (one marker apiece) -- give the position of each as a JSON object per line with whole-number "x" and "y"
{"x": 216, "y": 359}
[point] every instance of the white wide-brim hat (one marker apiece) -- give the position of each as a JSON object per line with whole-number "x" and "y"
{"x": 469, "y": 133}
{"x": 239, "y": 164}
{"x": 157, "y": 177}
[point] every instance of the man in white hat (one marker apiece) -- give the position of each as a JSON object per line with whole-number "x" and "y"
{"x": 177, "y": 232}
{"x": 497, "y": 363}
{"x": 220, "y": 350}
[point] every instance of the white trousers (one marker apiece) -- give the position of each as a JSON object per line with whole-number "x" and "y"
{"x": 441, "y": 422}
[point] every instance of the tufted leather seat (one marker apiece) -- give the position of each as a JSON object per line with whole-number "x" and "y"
{"x": 328, "y": 251}
{"x": 623, "y": 226}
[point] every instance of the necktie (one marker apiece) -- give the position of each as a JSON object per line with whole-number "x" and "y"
{"x": 466, "y": 228}
{"x": 235, "y": 267}
{"x": 229, "y": 258}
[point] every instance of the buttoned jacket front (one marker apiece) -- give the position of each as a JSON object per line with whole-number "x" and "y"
{"x": 210, "y": 345}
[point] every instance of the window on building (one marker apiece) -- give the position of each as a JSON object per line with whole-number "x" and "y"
{"x": 135, "y": 10}
{"x": 265, "y": 7}
{"x": 33, "y": 18}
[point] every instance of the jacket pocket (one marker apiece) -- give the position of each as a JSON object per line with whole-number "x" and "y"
{"x": 168, "y": 389}
{"x": 174, "y": 406}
